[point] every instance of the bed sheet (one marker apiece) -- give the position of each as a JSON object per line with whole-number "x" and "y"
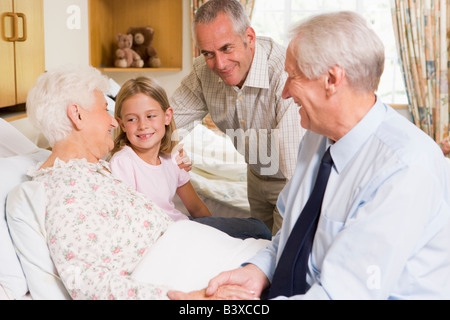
{"x": 190, "y": 254}
{"x": 217, "y": 208}
{"x": 17, "y": 154}
{"x": 219, "y": 173}
{"x": 5, "y": 295}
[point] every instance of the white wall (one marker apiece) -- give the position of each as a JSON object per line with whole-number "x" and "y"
{"x": 67, "y": 41}
{"x": 66, "y": 34}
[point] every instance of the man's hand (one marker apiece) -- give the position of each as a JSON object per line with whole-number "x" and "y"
{"x": 250, "y": 278}
{"x": 183, "y": 160}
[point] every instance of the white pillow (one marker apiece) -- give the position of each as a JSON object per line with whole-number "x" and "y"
{"x": 13, "y": 172}
{"x": 26, "y": 220}
{"x": 13, "y": 142}
{"x": 29, "y": 130}
{"x": 190, "y": 254}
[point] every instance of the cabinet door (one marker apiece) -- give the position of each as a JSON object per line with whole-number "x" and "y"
{"x": 7, "y": 73}
{"x": 30, "y": 54}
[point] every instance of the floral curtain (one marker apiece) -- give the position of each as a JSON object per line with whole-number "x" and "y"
{"x": 422, "y": 32}
{"x": 195, "y": 4}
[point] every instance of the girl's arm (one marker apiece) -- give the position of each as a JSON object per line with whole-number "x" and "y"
{"x": 192, "y": 201}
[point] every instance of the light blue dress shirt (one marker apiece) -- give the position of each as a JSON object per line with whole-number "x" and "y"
{"x": 384, "y": 229}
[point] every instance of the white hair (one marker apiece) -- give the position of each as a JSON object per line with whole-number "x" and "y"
{"x": 339, "y": 39}
{"x": 54, "y": 91}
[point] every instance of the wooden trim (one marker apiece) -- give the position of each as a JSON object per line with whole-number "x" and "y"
{"x": 17, "y": 117}
{"x": 14, "y": 112}
{"x": 138, "y": 69}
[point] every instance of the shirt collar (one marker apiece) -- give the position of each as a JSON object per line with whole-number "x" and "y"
{"x": 344, "y": 149}
{"x": 258, "y": 75}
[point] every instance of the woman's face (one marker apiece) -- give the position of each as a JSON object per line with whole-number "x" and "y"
{"x": 99, "y": 126}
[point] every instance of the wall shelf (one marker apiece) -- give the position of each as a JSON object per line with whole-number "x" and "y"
{"x": 138, "y": 69}
{"x": 107, "y": 18}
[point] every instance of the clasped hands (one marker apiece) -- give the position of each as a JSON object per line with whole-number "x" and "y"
{"x": 246, "y": 283}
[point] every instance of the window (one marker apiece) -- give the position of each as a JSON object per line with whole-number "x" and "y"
{"x": 275, "y": 19}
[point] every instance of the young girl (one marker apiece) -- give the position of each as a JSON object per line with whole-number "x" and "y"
{"x": 142, "y": 156}
{"x": 142, "y": 159}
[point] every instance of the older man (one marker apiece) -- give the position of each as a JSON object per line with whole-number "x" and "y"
{"x": 382, "y": 228}
{"x": 239, "y": 81}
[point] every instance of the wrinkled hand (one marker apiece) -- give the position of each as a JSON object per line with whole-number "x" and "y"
{"x": 183, "y": 160}
{"x": 250, "y": 278}
{"x": 227, "y": 292}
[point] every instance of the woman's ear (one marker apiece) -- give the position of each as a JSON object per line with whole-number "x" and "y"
{"x": 169, "y": 115}
{"x": 74, "y": 114}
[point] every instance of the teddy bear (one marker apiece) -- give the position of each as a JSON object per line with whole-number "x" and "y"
{"x": 143, "y": 38}
{"x": 125, "y": 56}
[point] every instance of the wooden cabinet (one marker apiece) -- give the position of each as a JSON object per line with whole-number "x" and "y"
{"x": 22, "y": 48}
{"x": 107, "y": 18}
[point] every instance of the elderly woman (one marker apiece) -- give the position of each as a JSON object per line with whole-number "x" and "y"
{"x": 98, "y": 228}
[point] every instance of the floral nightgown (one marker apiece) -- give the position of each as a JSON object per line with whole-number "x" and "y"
{"x": 98, "y": 229}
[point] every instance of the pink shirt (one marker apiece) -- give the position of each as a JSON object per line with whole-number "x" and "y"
{"x": 158, "y": 183}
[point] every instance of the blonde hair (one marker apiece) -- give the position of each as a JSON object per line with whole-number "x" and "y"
{"x": 152, "y": 89}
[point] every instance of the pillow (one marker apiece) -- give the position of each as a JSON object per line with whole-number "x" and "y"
{"x": 13, "y": 172}
{"x": 26, "y": 220}
{"x": 190, "y": 254}
{"x": 13, "y": 142}
{"x": 30, "y": 132}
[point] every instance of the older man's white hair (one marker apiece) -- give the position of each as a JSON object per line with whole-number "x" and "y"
{"x": 339, "y": 39}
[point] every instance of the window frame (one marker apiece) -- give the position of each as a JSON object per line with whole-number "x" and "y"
{"x": 287, "y": 10}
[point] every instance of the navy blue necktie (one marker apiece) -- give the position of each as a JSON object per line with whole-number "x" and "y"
{"x": 290, "y": 274}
